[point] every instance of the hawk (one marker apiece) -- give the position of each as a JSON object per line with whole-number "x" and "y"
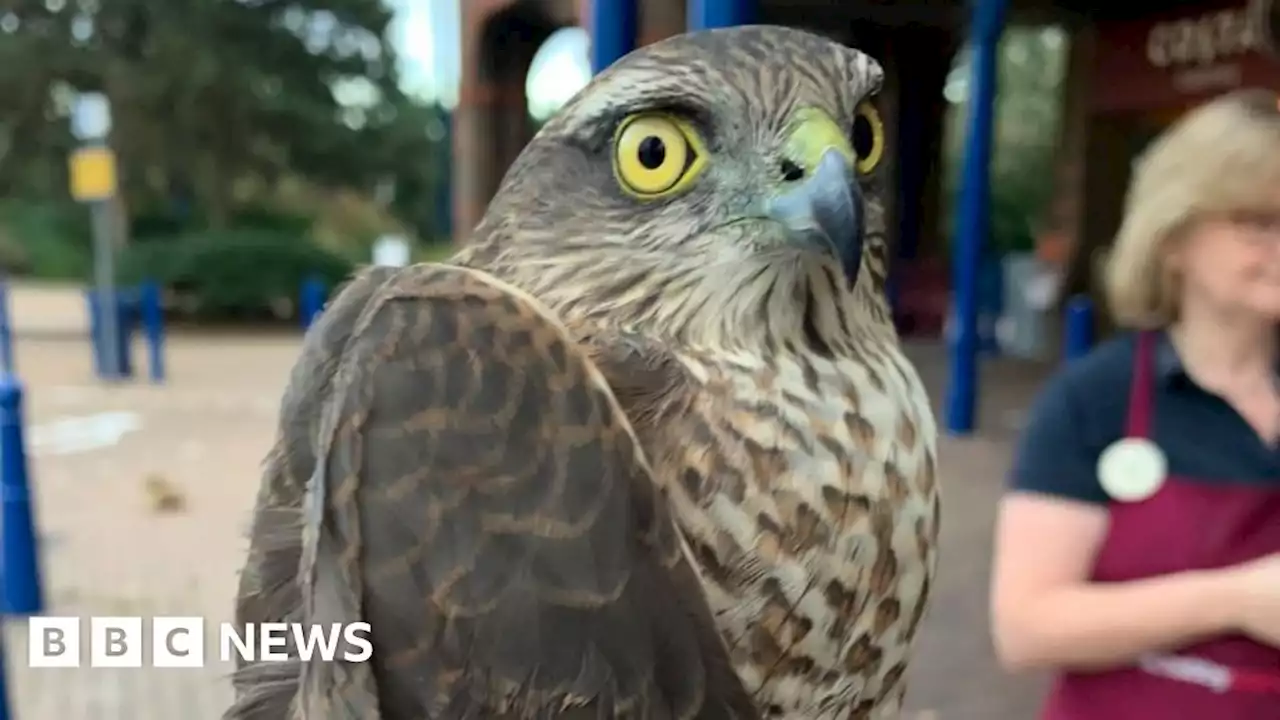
{"x": 647, "y": 447}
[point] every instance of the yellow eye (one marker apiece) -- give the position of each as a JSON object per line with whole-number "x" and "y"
{"x": 868, "y": 137}
{"x": 655, "y": 155}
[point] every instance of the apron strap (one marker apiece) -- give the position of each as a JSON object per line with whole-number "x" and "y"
{"x": 1138, "y": 424}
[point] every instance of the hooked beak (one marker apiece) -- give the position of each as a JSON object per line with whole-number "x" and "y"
{"x": 824, "y": 211}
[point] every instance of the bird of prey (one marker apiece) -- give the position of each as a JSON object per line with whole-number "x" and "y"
{"x": 646, "y": 447}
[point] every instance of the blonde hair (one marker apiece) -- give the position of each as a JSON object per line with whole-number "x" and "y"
{"x": 1221, "y": 158}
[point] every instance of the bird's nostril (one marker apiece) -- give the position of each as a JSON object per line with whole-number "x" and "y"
{"x": 791, "y": 172}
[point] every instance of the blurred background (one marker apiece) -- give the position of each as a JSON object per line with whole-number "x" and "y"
{"x": 259, "y": 150}
{"x": 250, "y": 134}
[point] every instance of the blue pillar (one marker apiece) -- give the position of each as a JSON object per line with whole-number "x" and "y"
{"x": 613, "y": 31}
{"x": 20, "y": 586}
{"x": 974, "y": 216}
{"x": 707, "y": 14}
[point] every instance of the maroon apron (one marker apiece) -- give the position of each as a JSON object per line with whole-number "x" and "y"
{"x": 1185, "y": 525}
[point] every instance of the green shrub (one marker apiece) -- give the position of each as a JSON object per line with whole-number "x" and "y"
{"x": 434, "y": 252}
{"x": 1015, "y": 204}
{"x": 45, "y": 239}
{"x": 144, "y": 226}
{"x": 235, "y": 274}
{"x": 275, "y": 221}
{"x": 167, "y": 222}
{"x": 1018, "y": 198}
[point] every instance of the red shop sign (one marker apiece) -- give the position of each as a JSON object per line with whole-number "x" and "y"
{"x": 1172, "y": 60}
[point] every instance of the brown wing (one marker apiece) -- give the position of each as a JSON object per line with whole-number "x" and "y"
{"x": 482, "y": 503}
{"x": 269, "y": 590}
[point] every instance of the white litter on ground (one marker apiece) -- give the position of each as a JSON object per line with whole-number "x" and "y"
{"x": 74, "y": 435}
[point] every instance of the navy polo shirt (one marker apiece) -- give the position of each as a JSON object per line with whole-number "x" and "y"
{"x": 1084, "y": 407}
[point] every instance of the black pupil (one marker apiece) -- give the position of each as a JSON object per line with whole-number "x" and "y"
{"x": 864, "y": 137}
{"x": 652, "y": 152}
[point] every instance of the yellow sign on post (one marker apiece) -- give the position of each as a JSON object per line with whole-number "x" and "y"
{"x": 93, "y": 174}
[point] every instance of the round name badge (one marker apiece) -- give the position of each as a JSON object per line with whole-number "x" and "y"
{"x": 1132, "y": 469}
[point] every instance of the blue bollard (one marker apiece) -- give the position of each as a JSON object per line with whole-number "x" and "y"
{"x": 19, "y": 564}
{"x": 151, "y": 316}
{"x": 6, "y": 331}
{"x": 311, "y": 303}
{"x": 1079, "y": 327}
{"x": 125, "y": 318}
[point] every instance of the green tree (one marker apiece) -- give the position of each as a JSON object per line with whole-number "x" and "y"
{"x": 208, "y": 96}
{"x": 1032, "y": 66}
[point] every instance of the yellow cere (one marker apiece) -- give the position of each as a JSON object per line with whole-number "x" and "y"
{"x": 656, "y": 154}
{"x": 815, "y": 133}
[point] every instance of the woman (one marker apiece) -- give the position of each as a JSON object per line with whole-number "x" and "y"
{"x": 1138, "y": 550}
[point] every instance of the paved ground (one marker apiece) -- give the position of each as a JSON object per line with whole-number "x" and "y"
{"x": 955, "y": 674}
{"x": 107, "y": 548}
{"x": 46, "y": 309}
{"x": 201, "y": 439}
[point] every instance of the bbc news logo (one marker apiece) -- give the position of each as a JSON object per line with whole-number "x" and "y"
{"x": 178, "y": 642}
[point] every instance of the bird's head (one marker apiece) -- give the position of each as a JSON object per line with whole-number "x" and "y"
{"x": 717, "y": 188}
